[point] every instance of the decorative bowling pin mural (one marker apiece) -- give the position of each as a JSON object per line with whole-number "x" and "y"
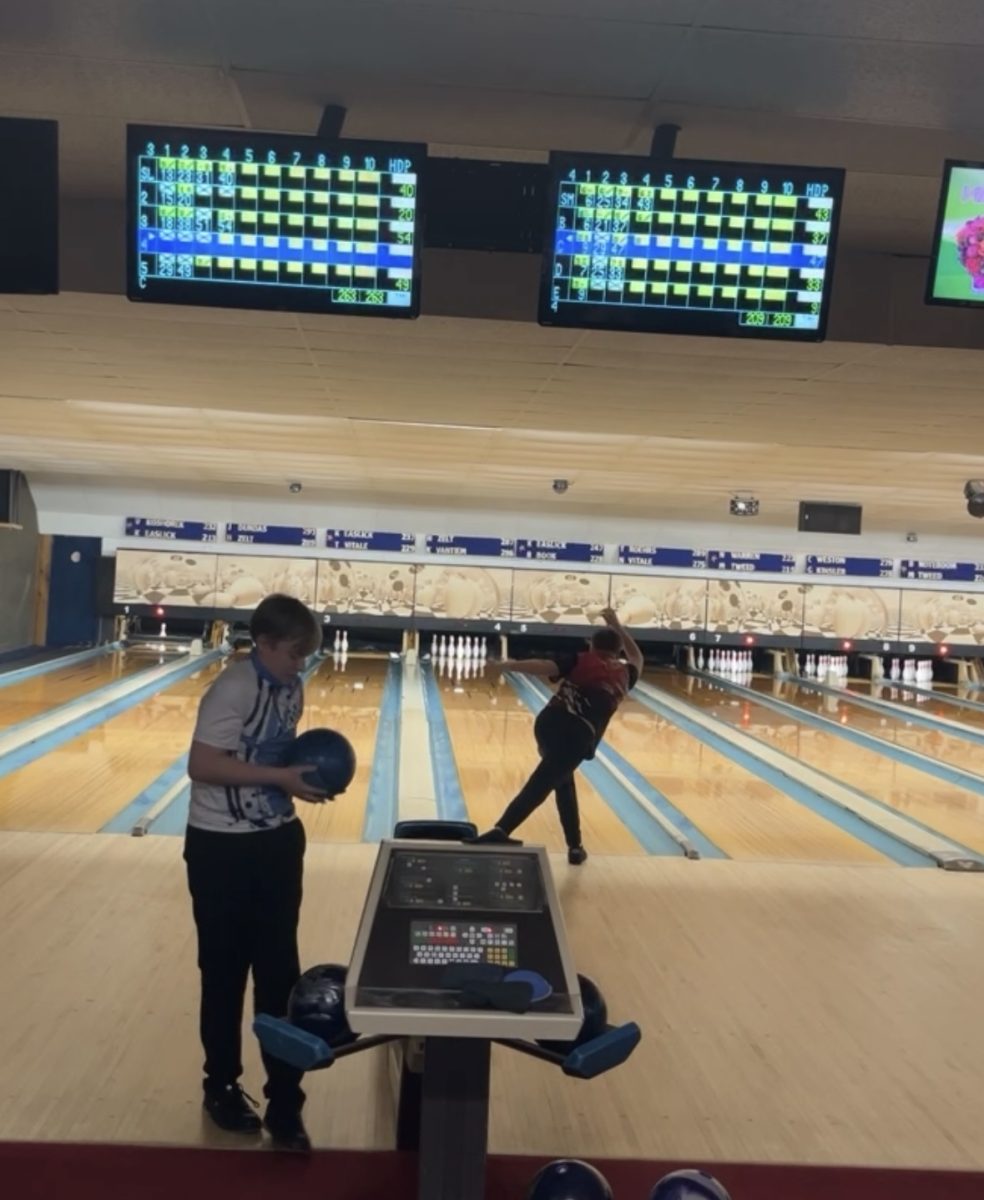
{"x": 180, "y": 579}
{"x": 375, "y": 589}
{"x": 647, "y": 602}
{"x": 560, "y": 597}
{"x": 463, "y": 593}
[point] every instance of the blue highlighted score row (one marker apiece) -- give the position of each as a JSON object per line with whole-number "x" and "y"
{"x": 716, "y": 251}
{"x": 383, "y": 255}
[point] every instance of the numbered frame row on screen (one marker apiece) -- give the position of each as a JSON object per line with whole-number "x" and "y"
{"x": 272, "y": 221}
{"x": 690, "y": 247}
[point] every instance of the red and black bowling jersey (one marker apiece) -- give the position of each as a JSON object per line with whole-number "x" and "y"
{"x": 592, "y": 686}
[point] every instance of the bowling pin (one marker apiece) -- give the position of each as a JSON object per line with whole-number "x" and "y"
{"x": 163, "y": 629}
{"x": 908, "y": 672}
{"x": 337, "y": 643}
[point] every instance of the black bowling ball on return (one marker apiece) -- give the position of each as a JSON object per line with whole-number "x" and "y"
{"x": 569, "y": 1179}
{"x": 595, "y": 1018}
{"x": 689, "y": 1185}
{"x": 317, "y": 1004}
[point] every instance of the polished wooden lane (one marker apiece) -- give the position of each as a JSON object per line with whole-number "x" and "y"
{"x": 744, "y": 816}
{"x": 83, "y": 784}
{"x": 790, "y": 1013}
{"x": 38, "y": 694}
{"x": 954, "y": 812}
{"x": 891, "y": 727}
{"x": 491, "y": 733}
{"x": 345, "y": 698}
{"x": 899, "y": 697}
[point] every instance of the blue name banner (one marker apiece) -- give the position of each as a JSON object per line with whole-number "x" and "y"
{"x": 661, "y": 556}
{"x": 270, "y": 535}
{"x": 839, "y": 564}
{"x": 735, "y": 560}
{"x": 171, "y": 531}
{"x": 950, "y": 572}
{"x": 365, "y": 539}
{"x": 580, "y": 552}
{"x": 479, "y": 547}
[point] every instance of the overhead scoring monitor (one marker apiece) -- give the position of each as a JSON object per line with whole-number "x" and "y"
{"x": 956, "y": 275}
{"x": 29, "y": 205}
{"x": 681, "y": 246}
{"x": 253, "y": 220}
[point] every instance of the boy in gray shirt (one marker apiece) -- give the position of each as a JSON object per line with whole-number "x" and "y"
{"x": 244, "y": 849}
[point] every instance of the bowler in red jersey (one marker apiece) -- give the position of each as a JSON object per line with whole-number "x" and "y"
{"x": 591, "y": 686}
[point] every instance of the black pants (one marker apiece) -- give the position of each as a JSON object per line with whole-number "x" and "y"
{"x": 246, "y": 895}
{"x": 564, "y": 743}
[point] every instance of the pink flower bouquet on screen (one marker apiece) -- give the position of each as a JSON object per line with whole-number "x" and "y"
{"x": 970, "y": 247}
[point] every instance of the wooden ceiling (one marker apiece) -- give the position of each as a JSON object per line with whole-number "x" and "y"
{"x": 485, "y": 414}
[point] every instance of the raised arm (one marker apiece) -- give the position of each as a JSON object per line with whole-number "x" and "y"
{"x": 630, "y": 647}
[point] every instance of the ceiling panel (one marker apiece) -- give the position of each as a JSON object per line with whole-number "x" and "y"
{"x": 397, "y": 414}
{"x": 454, "y": 47}
{"x": 923, "y": 85}
{"x": 953, "y": 22}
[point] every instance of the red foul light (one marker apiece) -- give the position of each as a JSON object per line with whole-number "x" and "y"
{"x": 158, "y": 612}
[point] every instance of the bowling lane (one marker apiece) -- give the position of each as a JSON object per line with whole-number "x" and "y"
{"x": 746, "y": 817}
{"x": 902, "y": 698}
{"x": 894, "y": 729}
{"x": 79, "y": 786}
{"x": 347, "y": 699}
{"x": 36, "y": 695}
{"x": 952, "y": 811}
{"x": 491, "y": 733}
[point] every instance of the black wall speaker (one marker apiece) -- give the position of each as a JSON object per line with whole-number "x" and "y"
{"x": 821, "y": 517}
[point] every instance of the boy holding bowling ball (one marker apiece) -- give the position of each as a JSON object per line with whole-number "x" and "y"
{"x": 244, "y": 850}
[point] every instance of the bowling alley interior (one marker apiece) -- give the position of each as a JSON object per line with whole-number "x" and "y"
{"x": 526, "y": 456}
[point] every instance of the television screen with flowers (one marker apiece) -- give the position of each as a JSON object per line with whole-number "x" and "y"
{"x": 956, "y": 273}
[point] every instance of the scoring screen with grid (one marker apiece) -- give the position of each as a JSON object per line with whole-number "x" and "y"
{"x": 274, "y": 221}
{"x": 690, "y": 247}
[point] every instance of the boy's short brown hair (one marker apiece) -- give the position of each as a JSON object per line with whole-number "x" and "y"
{"x": 606, "y": 639}
{"x": 285, "y": 619}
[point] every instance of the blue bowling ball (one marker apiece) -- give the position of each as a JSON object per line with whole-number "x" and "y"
{"x": 569, "y": 1179}
{"x": 689, "y": 1185}
{"x": 317, "y": 1004}
{"x": 329, "y": 755}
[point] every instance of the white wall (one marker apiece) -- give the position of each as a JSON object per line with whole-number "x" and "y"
{"x": 97, "y": 509}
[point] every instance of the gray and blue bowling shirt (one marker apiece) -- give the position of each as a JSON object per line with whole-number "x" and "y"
{"x": 249, "y": 713}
